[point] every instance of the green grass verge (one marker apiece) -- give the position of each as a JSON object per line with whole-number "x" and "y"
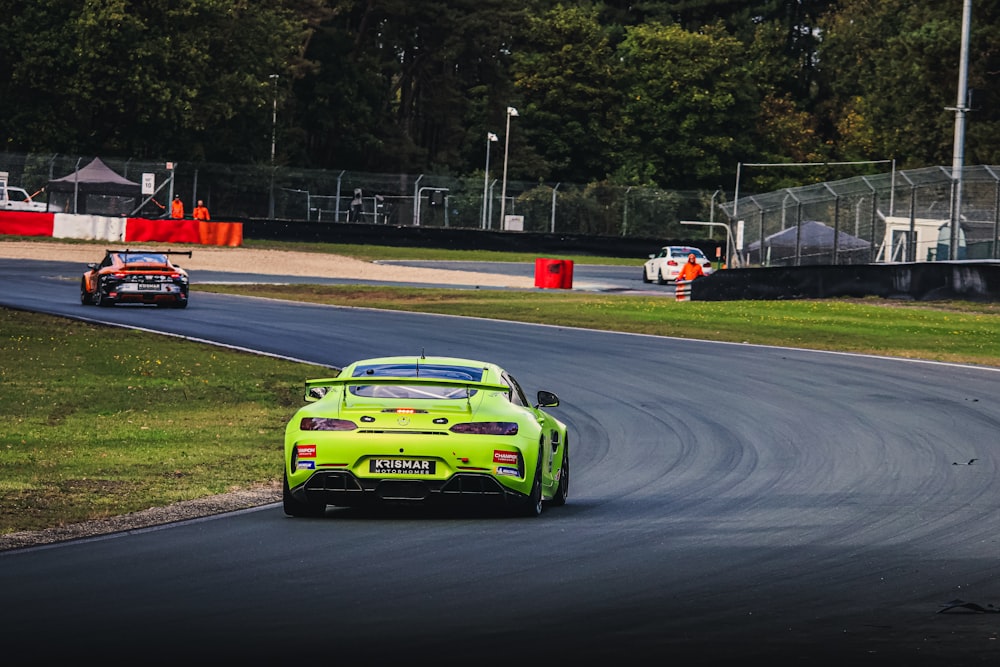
{"x": 100, "y": 421}
{"x": 372, "y": 253}
{"x": 961, "y": 332}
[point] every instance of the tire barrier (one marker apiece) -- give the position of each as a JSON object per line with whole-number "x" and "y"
{"x": 683, "y": 290}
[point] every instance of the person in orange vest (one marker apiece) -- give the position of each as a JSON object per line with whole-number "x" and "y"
{"x": 201, "y": 211}
{"x": 691, "y": 269}
{"x": 177, "y": 208}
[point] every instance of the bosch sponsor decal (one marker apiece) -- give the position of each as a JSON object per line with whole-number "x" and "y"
{"x": 503, "y": 456}
{"x": 507, "y": 471}
{"x": 306, "y": 451}
{"x": 305, "y": 465}
{"x": 402, "y": 466}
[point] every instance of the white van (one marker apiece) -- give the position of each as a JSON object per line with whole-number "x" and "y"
{"x": 18, "y": 199}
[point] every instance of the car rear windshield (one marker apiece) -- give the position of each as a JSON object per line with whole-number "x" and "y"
{"x": 470, "y": 373}
{"x": 684, "y": 252}
{"x": 144, "y": 258}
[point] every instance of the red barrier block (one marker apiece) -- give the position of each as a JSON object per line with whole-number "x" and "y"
{"x": 221, "y": 233}
{"x": 567, "y": 274}
{"x": 553, "y": 273}
{"x": 26, "y": 223}
{"x": 166, "y": 230}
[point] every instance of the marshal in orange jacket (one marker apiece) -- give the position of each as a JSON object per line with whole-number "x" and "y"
{"x": 691, "y": 269}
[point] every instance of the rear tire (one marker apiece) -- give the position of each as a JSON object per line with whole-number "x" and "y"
{"x": 99, "y": 298}
{"x": 533, "y": 504}
{"x": 660, "y": 280}
{"x": 85, "y": 297}
{"x": 296, "y": 508}
{"x": 562, "y": 491}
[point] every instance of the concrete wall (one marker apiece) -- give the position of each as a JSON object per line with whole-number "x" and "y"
{"x": 969, "y": 280}
{"x": 972, "y": 280}
{"x": 466, "y": 239}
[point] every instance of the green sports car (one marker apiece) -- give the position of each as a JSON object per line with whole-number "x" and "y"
{"x": 424, "y": 429}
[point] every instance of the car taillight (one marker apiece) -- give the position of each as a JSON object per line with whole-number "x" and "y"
{"x": 486, "y": 428}
{"x": 671, "y": 262}
{"x": 326, "y": 424}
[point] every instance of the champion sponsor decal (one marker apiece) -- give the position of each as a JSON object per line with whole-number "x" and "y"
{"x": 402, "y": 466}
{"x": 507, "y": 471}
{"x": 306, "y": 451}
{"x": 502, "y": 456}
{"x": 305, "y": 465}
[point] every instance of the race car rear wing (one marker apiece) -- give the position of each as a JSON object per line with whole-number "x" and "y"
{"x": 316, "y": 389}
{"x": 145, "y": 250}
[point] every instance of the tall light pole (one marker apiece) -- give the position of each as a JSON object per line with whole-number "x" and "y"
{"x": 274, "y": 125}
{"x": 511, "y": 111}
{"x": 274, "y": 114}
{"x": 490, "y": 138}
{"x": 961, "y": 107}
{"x": 711, "y": 209}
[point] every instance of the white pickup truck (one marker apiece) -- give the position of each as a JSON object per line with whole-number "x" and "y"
{"x": 18, "y": 199}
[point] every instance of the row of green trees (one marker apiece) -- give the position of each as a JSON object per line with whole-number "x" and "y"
{"x": 669, "y": 94}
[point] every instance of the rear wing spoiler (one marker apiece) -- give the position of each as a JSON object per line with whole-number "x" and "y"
{"x": 158, "y": 252}
{"x": 316, "y": 389}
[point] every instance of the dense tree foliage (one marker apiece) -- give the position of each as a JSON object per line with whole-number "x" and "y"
{"x": 567, "y": 76}
{"x": 687, "y": 99}
{"x": 904, "y": 60}
{"x": 148, "y": 79}
{"x": 670, "y": 94}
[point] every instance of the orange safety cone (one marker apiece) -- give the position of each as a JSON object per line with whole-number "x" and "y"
{"x": 683, "y": 290}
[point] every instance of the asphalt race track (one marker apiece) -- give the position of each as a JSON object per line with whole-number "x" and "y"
{"x": 728, "y": 502}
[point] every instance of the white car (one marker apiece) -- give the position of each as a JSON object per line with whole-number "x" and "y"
{"x": 18, "y": 199}
{"x": 664, "y": 266}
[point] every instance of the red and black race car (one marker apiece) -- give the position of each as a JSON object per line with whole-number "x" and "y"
{"x": 135, "y": 276}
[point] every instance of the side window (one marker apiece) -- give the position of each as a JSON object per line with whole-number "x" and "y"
{"x": 517, "y": 396}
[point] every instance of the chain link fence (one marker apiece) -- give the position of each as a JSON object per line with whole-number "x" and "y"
{"x": 901, "y": 216}
{"x": 260, "y": 192}
{"x": 890, "y": 217}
